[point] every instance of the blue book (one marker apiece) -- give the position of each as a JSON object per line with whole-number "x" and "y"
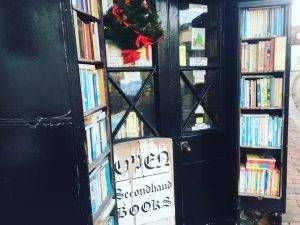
{"x": 242, "y": 99}
{"x": 86, "y": 89}
{"x": 243, "y": 141}
{"x": 103, "y": 135}
{"x": 258, "y": 93}
{"x": 275, "y": 22}
{"x": 282, "y": 21}
{"x": 279, "y": 130}
{"x": 108, "y": 180}
{"x": 245, "y": 124}
{"x": 82, "y": 89}
{"x": 93, "y": 198}
{"x": 256, "y": 131}
{"x": 96, "y": 89}
{"x": 244, "y": 23}
{"x": 249, "y": 120}
{"x": 275, "y": 131}
{"x": 270, "y": 131}
{"x": 80, "y": 5}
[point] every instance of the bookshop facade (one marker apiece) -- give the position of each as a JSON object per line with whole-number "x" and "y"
{"x": 137, "y": 112}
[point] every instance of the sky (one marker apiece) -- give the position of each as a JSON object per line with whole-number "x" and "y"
{"x": 296, "y": 12}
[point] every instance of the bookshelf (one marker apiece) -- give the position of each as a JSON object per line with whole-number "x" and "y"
{"x": 90, "y": 48}
{"x": 263, "y": 108}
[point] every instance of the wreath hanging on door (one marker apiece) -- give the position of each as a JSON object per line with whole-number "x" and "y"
{"x": 132, "y": 24}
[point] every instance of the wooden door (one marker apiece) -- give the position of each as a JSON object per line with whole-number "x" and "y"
{"x": 193, "y": 109}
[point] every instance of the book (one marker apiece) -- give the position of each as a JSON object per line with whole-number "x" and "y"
{"x": 131, "y": 128}
{"x": 280, "y": 49}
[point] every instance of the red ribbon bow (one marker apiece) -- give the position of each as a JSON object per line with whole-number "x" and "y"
{"x": 130, "y": 56}
{"x": 141, "y": 39}
{"x": 115, "y": 11}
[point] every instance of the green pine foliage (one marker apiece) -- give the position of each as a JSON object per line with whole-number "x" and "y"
{"x": 141, "y": 17}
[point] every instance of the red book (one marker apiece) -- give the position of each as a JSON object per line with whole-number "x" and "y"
{"x": 88, "y": 43}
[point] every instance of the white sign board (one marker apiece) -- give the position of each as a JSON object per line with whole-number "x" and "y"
{"x": 145, "y": 182}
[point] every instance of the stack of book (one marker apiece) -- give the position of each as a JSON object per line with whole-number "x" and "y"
{"x": 88, "y": 6}
{"x": 262, "y": 22}
{"x": 87, "y": 39}
{"x": 261, "y": 92}
{"x": 259, "y": 176}
{"x": 96, "y": 139}
{"x": 91, "y": 81}
{"x": 260, "y": 130}
{"x": 263, "y": 56}
{"x": 100, "y": 187}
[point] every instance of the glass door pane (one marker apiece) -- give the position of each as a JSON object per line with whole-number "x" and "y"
{"x": 198, "y": 35}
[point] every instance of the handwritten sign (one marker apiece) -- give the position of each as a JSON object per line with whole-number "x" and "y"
{"x": 145, "y": 182}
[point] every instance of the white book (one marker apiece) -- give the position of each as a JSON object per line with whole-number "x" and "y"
{"x": 280, "y": 53}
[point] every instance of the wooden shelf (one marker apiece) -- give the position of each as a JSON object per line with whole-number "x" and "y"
{"x": 260, "y": 73}
{"x": 255, "y": 39}
{"x": 258, "y": 196}
{"x": 261, "y": 204}
{"x": 262, "y": 110}
{"x": 94, "y": 110}
{"x": 130, "y": 69}
{"x": 271, "y": 108}
{"x": 99, "y": 161}
{"x": 91, "y": 62}
{"x": 104, "y": 211}
{"x": 86, "y": 16}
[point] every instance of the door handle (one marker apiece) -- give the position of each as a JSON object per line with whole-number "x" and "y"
{"x": 185, "y": 146}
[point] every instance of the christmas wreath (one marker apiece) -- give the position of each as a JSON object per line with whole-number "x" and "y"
{"x": 132, "y": 24}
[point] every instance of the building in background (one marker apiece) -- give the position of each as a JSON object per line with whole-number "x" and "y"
{"x": 293, "y": 182}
